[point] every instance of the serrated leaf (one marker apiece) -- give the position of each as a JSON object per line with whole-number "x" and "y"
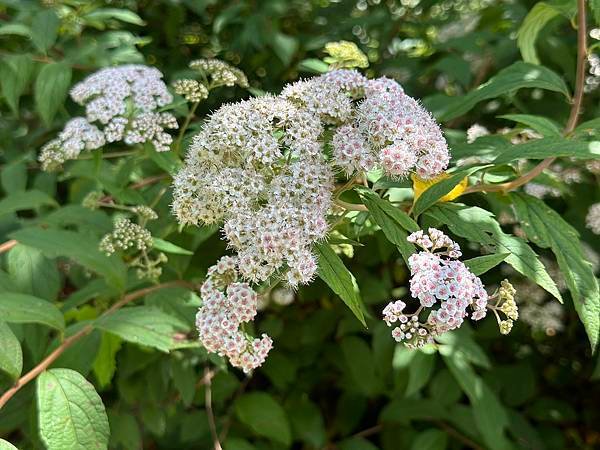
{"x": 333, "y": 272}
{"x": 546, "y": 228}
{"x": 105, "y": 363}
{"x": 534, "y": 22}
{"x": 71, "y": 415}
{"x": 435, "y": 192}
{"x": 395, "y": 224}
{"x": 517, "y": 76}
{"x": 552, "y": 147}
{"x": 11, "y": 355}
{"x": 481, "y": 264}
{"x": 23, "y": 308}
{"x": 24, "y": 200}
{"x": 33, "y": 273}
{"x": 264, "y": 416}
{"x": 169, "y": 247}
{"x": 143, "y": 325}
{"x": 44, "y": 29}
{"x": 77, "y": 246}
{"x": 51, "y": 87}
{"x": 543, "y": 125}
{"x": 479, "y": 225}
{"x": 16, "y": 72}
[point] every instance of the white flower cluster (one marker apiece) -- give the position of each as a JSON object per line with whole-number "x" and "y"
{"x": 437, "y": 278}
{"x": 592, "y": 81}
{"x": 125, "y": 102}
{"x": 256, "y": 166}
{"x": 226, "y": 305}
{"x": 387, "y": 129}
{"x": 592, "y": 219}
{"x": 219, "y": 73}
{"x": 124, "y": 236}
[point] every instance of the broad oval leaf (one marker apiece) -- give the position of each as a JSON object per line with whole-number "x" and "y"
{"x": 333, "y": 272}
{"x": 44, "y": 29}
{"x": 33, "y": 273}
{"x": 70, "y": 411}
{"x": 23, "y": 200}
{"x": 11, "y": 355}
{"x": 264, "y": 416}
{"x": 51, "y": 88}
{"x": 481, "y": 264}
{"x": 543, "y": 125}
{"x": 551, "y": 147}
{"x": 23, "y": 308}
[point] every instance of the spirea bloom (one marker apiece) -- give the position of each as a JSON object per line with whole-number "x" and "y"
{"x": 592, "y": 219}
{"x": 121, "y": 104}
{"x": 226, "y": 305}
{"x": 257, "y": 167}
{"x": 445, "y": 288}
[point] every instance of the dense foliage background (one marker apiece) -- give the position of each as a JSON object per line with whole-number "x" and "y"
{"x": 329, "y": 383}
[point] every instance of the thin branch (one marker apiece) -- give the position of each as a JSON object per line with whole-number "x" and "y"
{"x": 150, "y": 180}
{"x": 209, "y": 410}
{"x": 573, "y": 115}
{"x": 7, "y": 245}
{"x": 46, "y": 362}
{"x": 350, "y": 206}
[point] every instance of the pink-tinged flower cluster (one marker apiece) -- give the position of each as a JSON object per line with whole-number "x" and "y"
{"x": 444, "y": 287}
{"x": 226, "y": 305}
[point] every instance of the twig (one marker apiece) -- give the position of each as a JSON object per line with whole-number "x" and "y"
{"x": 184, "y": 127}
{"x": 150, "y": 180}
{"x": 7, "y": 245}
{"x": 573, "y": 115}
{"x": 46, "y": 362}
{"x": 350, "y": 206}
{"x": 209, "y": 411}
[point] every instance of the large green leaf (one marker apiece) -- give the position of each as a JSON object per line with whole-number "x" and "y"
{"x": 143, "y": 325}
{"x": 394, "y": 223}
{"x": 71, "y": 415}
{"x": 105, "y": 363}
{"x": 534, "y": 21}
{"x": 16, "y": 72}
{"x": 551, "y": 147}
{"x": 33, "y": 273}
{"x": 23, "y": 308}
{"x": 264, "y": 416}
{"x": 333, "y": 272}
{"x": 11, "y": 355}
{"x": 100, "y": 15}
{"x": 44, "y": 29}
{"x": 77, "y": 246}
{"x": 517, "y": 76}
{"x": 431, "y": 439}
{"x": 543, "y": 125}
{"x": 23, "y": 200}
{"x": 548, "y": 229}
{"x": 479, "y": 225}
{"x": 51, "y": 88}
{"x": 481, "y": 264}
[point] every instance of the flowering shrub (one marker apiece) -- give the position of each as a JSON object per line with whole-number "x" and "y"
{"x": 234, "y": 239}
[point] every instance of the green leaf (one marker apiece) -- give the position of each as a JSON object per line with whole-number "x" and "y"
{"x": 479, "y": 225}
{"x": 333, "y": 272}
{"x": 44, "y": 29}
{"x": 431, "y": 195}
{"x": 24, "y": 200}
{"x": 313, "y": 65}
{"x": 551, "y": 147}
{"x": 76, "y": 246}
{"x": 284, "y": 46}
{"x": 11, "y": 355}
{"x": 431, "y": 439}
{"x": 16, "y": 72}
{"x": 71, "y": 415}
{"x": 482, "y": 264}
{"x": 543, "y": 125}
{"x": 33, "y": 273}
{"x": 22, "y": 308}
{"x": 5, "y": 445}
{"x": 16, "y": 29}
{"x": 420, "y": 370}
{"x": 394, "y": 223}
{"x": 14, "y": 177}
{"x": 124, "y": 15}
{"x": 361, "y": 365}
{"x": 105, "y": 363}
{"x": 595, "y": 7}
{"x": 143, "y": 325}
{"x": 264, "y": 416}
{"x": 517, "y": 76}
{"x": 536, "y": 19}
{"x": 169, "y": 247}
{"x": 51, "y": 88}
{"x": 546, "y": 228}
{"x": 404, "y": 409}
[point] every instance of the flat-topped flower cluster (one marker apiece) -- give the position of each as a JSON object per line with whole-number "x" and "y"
{"x": 121, "y": 104}
{"x": 227, "y": 304}
{"x": 438, "y": 280}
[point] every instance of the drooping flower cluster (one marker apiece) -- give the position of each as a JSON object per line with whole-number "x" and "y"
{"x": 592, "y": 219}
{"x": 226, "y": 305}
{"x": 124, "y": 104}
{"x": 257, "y": 167}
{"x": 438, "y": 280}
